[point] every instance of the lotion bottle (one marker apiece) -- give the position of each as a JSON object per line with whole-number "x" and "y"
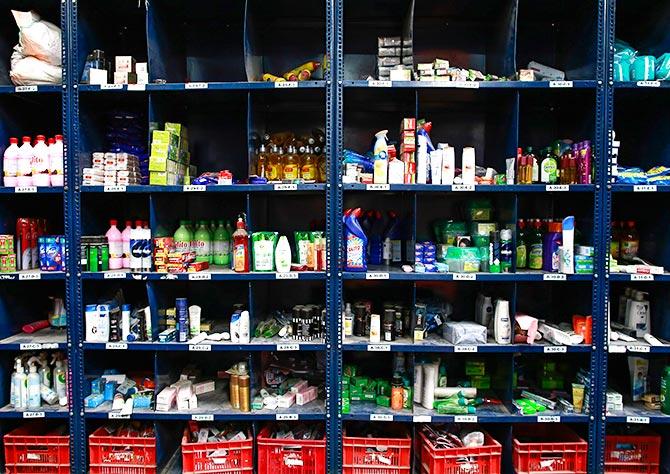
{"x": 502, "y": 326}
{"x": 283, "y": 255}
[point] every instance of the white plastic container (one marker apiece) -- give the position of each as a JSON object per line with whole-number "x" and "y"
{"x": 283, "y": 255}
{"x": 24, "y": 169}
{"x": 115, "y": 242}
{"x": 125, "y": 241}
{"x": 56, "y": 161}
{"x": 10, "y": 163}
{"x": 40, "y": 163}
{"x": 502, "y": 325}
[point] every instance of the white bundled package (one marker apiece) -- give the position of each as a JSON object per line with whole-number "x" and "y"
{"x": 464, "y": 332}
{"x": 37, "y": 58}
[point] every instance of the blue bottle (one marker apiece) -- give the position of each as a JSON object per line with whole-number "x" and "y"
{"x": 356, "y": 242}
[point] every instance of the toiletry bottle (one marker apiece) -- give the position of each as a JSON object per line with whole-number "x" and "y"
{"x": 375, "y": 328}
{"x": 638, "y": 314}
{"x": 13, "y": 383}
{"x": 45, "y": 371}
{"x": 506, "y": 251}
{"x": 534, "y": 243}
{"x": 548, "y": 168}
{"x": 521, "y": 248}
{"x": 552, "y": 241}
{"x": 33, "y": 387}
{"x": 241, "y": 247}
{"x": 396, "y": 393}
{"x": 21, "y": 387}
{"x": 348, "y": 321}
{"x": 494, "y": 252}
{"x": 502, "y": 325}
{"x": 283, "y": 255}
{"x": 244, "y": 327}
{"x": 115, "y": 241}
{"x": 125, "y": 243}
{"x": 356, "y": 242}
{"x": 630, "y": 242}
{"x": 125, "y": 322}
{"x": 615, "y": 237}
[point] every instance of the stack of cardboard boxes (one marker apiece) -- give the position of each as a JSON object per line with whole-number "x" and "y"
{"x": 112, "y": 169}
{"x": 395, "y": 58}
{"x": 408, "y": 148}
{"x": 169, "y": 161}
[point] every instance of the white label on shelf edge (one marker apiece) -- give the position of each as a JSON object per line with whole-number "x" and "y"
{"x": 462, "y": 187}
{"x": 30, "y": 276}
{"x": 33, "y": 414}
{"x": 462, "y": 84}
{"x": 637, "y": 348}
{"x": 380, "y": 84}
{"x": 554, "y": 277}
{"x": 381, "y": 417}
{"x": 196, "y": 85}
{"x": 555, "y": 349}
{"x": 202, "y": 417}
{"x": 557, "y": 187}
{"x": 25, "y": 89}
{"x": 643, "y": 420}
{"x": 114, "y": 189}
{"x": 286, "y": 85}
{"x": 25, "y": 189}
{"x": 286, "y": 416}
{"x": 465, "y": 276}
{"x": 200, "y": 276}
{"x": 379, "y": 347}
{"x": 286, "y": 187}
{"x": 465, "y": 419}
{"x": 137, "y": 87}
{"x": 465, "y": 348}
{"x": 548, "y": 419}
{"x": 288, "y": 347}
{"x": 115, "y": 275}
{"x": 286, "y": 276}
{"x": 377, "y": 276}
{"x": 641, "y": 277}
{"x": 648, "y": 83}
{"x": 560, "y": 84}
{"x": 194, "y": 188}
{"x": 30, "y": 346}
{"x": 422, "y": 418}
{"x": 617, "y": 349}
{"x": 117, "y": 416}
{"x": 644, "y": 188}
{"x": 111, "y": 87}
{"x": 200, "y": 347}
{"x": 50, "y": 345}
{"x": 119, "y": 346}
{"x": 377, "y": 187}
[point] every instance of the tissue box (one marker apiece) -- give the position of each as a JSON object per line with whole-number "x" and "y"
{"x": 464, "y": 332}
{"x": 166, "y": 398}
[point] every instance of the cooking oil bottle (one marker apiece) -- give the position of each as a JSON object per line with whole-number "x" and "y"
{"x": 273, "y": 167}
{"x": 309, "y": 170}
{"x": 291, "y": 164}
{"x": 261, "y": 162}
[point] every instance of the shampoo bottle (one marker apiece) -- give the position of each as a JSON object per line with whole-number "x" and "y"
{"x": 502, "y": 325}
{"x": 283, "y": 255}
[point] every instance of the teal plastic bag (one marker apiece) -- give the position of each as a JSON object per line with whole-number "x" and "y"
{"x": 663, "y": 67}
{"x": 621, "y": 69}
{"x": 643, "y": 68}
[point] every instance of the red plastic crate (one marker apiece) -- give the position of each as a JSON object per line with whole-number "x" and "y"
{"x": 121, "y": 455}
{"x": 377, "y": 455}
{"x": 26, "y": 451}
{"x": 633, "y": 454}
{"x": 480, "y": 460}
{"x": 219, "y": 456}
{"x": 290, "y": 456}
{"x": 565, "y": 453}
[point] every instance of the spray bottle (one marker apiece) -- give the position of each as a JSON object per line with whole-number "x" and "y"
{"x": 45, "y": 370}
{"x": 13, "y": 393}
{"x": 60, "y": 383}
{"x": 20, "y": 387}
{"x": 33, "y": 385}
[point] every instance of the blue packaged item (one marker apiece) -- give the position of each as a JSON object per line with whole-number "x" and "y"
{"x": 621, "y": 69}
{"x": 94, "y": 400}
{"x": 51, "y": 252}
{"x": 631, "y": 175}
{"x": 142, "y": 399}
{"x": 643, "y": 68}
{"x": 356, "y": 242}
{"x": 97, "y": 385}
{"x": 110, "y": 388}
{"x": 366, "y": 163}
{"x": 207, "y": 179}
{"x": 663, "y": 67}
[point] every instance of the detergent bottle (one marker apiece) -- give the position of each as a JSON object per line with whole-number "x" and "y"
{"x": 356, "y": 242}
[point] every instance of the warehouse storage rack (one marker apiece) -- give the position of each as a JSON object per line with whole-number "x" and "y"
{"x": 210, "y": 57}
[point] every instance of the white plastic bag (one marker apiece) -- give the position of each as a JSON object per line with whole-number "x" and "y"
{"x": 30, "y": 71}
{"x": 38, "y": 38}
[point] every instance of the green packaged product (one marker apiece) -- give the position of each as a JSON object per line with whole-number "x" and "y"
{"x": 407, "y": 397}
{"x": 383, "y": 401}
{"x": 369, "y": 396}
{"x": 346, "y": 406}
{"x": 355, "y": 393}
{"x": 360, "y": 381}
{"x": 302, "y": 246}
{"x": 263, "y": 251}
{"x": 345, "y": 381}
{"x": 350, "y": 371}
{"x": 257, "y": 403}
{"x": 455, "y": 410}
{"x": 475, "y": 367}
{"x": 482, "y": 382}
{"x": 346, "y": 393}
{"x": 447, "y": 231}
{"x": 383, "y": 387}
{"x": 480, "y": 210}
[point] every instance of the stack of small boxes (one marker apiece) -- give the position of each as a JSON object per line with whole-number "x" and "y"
{"x": 169, "y": 162}
{"x": 7, "y": 254}
{"x": 438, "y": 70}
{"x": 111, "y": 169}
{"x": 127, "y": 71}
{"x": 408, "y": 148}
{"x": 395, "y": 58}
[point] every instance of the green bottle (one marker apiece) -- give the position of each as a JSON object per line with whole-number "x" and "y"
{"x": 534, "y": 245}
{"x": 229, "y": 229}
{"x": 665, "y": 391}
{"x": 221, "y": 245}
{"x": 521, "y": 250}
{"x": 203, "y": 243}
{"x": 183, "y": 237}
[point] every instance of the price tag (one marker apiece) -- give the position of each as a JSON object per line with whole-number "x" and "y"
{"x": 380, "y": 417}
{"x": 286, "y": 416}
{"x": 462, "y": 187}
{"x": 32, "y": 346}
{"x": 286, "y": 276}
{"x": 377, "y": 187}
{"x": 25, "y": 189}
{"x": 377, "y": 276}
{"x": 648, "y": 83}
{"x": 30, "y": 276}
{"x": 286, "y": 85}
{"x": 200, "y": 347}
{"x": 640, "y": 420}
{"x": 422, "y": 418}
{"x": 557, "y": 187}
{"x": 554, "y": 277}
{"x": 465, "y": 348}
{"x": 560, "y": 84}
{"x": 117, "y": 416}
{"x": 33, "y": 414}
{"x": 196, "y": 85}
{"x": 463, "y": 84}
{"x": 548, "y": 419}
{"x": 25, "y": 89}
{"x": 194, "y": 188}
{"x": 202, "y": 417}
{"x": 286, "y": 187}
{"x": 555, "y": 349}
{"x": 465, "y": 276}
{"x": 114, "y": 189}
{"x": 380, "y": 84}
{"x": 118, "y": 346}
{"x": 638, "y": 348}
{"x": 199, "y": 276}
{"x": 644, "y": 188}
{"x": 137, "y": 87}
{"x": 379, "y": 347}
{"x": 639, "y": 277}
{"x": 465, "y": 419}
{"x": 115, "y": 275}
{"x": 50, "y": 345}
{"x": 617, "y": 349}
{"x": 288, "y": 347}
{"x": 111, "y": 87}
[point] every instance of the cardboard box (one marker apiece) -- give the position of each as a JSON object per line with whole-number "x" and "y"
{"x": 125, "y": 78}
{"x": 124, "y": 64}
{"x": 98, "y": 77}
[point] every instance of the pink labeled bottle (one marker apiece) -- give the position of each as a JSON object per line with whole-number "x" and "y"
{"x": 125, "y": 239}
{"x": 24, "y": 169}
{"x": 40, "y": 164}
{"x": 10, "y": 163}
{"x": 56, "y": 161}
{"x": 241, "y": 248}
{"x": 115, "y": 242}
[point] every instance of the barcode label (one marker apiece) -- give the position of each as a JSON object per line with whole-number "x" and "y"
{"x": 194, "y": 188}
{"x": 548, "y": 419}
{"x": 115, "y": 275}
{"x": 202, "y": 417}
{"x": 286, "y": 276}
{"x": 554, "y": 277}
{"x": 463, "y": 84}
{"x": 377, "y": 276}
{"x": 557, "y": 187}
{"x": 638, "y": 348}
{"x": 30, "y": 276}
{"x": 640, "y": 420}
{"x": 200, "y": 348}
{"x": 637, "y": 277}
{"x": 380, "y": 84}
{"x": 286, "y": 416}
{"x": 111, "y": 87}
{"x": 50, "y": 345}
{"x": 465, "y": 348}
{"x": 25, "y": 89}
{"x": 380, "y": 417}
{"x": 137, "y": 87}
{"x": 465, "y": 276}
{"x": 422, "y": 418}
{"x": 25, "y": 189}
{"x": 196, "y": 85}
{"x": 114, "y": 189}
{"x": 199, "y": 276}
{"x": 33, "y": 414}
{"x": 31, "y": 346}
{"x": 648, "y": 83}
{"x": 379, "y": 347}
{"x": 288, "y": 347}
{"x": 462, "y": 187}
{"x": 377, "y": 187}
{"x": 117, "y": 416}
{"x": 644, "y": 188}
{"x": 617, "y": 349}
{"x": 286, "y": 187}
{"x": 286, "y": 84}
{"x": 119, "y": 346}
{"x": 465, "y": 419}
{"x": 560, "y": 84}
{"x": 555, "y": 349}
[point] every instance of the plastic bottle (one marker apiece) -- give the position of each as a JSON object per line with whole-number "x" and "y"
{"x": 125, "y": 321}
{"x": 241, "y": 247}
{"x": 533, "y": 164}
{"x": 348, "y": 320}
{"x": 33, "y": 384}
{"x": 24, "y": 169}
{"x": 273, "y": 168}
{"x": 10, "y": 163}
{"x": 521, "y": 249}
{"x": 502, "y": 326}
{"x": 115, "y": 241}
{"x": 44, "y": 371}
{"x": 308, "y": 170}
{"x": 392, "y": 249}
{"x": 147, "y": 248}
{"x": 630, "y": 242}
{"x": 548, "y": 167}
{"x": 125, "y": 242}
{"x": 261, "y": 162}
{"x": 356, "y": 242}
{"x": 183, "y": 237}
{"x": 40, "y": 163}
{"x": 534, "y": 243}
{"x": 60, "y": 383}
{"x": 203, "y": 243}
{"x": 290, "y": 164}
{"x": 21, "y": 387}
{"x": 283, "y": 255}
{"x": 56, "y": 161}
{"x": 12, "y": 383}
{"x": 552, "y": 241}
{"x": 136, "y": 247}
{"x": 506, "y": 252}
{"x": 221, "y": 245}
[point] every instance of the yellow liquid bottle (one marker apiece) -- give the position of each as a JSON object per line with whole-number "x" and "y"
{"x": 309, "y": 171}
{"x": 273, "y": 167}
{"x": 323, "y": 173}
{"x": 291, "y": 165}
{"x": 261, "y": 162}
